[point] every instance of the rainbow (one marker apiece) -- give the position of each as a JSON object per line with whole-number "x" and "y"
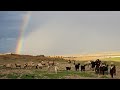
{"x": 23, "y": 28}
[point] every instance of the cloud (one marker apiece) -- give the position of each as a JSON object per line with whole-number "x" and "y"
{"x": 66, "y": 33}
{"x": 62, "y": 32}
{"x": 10, "y": 22}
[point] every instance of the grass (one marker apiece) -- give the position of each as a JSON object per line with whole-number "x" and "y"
{"x": 12, "y": 76}
{"x": 62, "y": 74}
{"x": 2, "y": 75}
{"x": 104, "y": 76}
{"x": 113, "y": 59}
{"x": 37, "y": 74}
{"x": 28, "y": 76}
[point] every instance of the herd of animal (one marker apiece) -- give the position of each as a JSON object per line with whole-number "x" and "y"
{"x": 98, "y": 66}
{"x": 29, "y": 65}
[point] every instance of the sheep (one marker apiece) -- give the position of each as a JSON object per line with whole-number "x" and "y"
{"x": 51, "y": 63}
{"x": 8, "y": 66}
{"x": 39, "y": 65}
{"x": 18, "y": 65}
{"x": 43, "y": 63}
{"x": 29, "y": 65}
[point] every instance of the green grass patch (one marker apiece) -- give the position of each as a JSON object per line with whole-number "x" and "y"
{"x": 104, "y": 76}
{"x": 28, "y": 76}
{"x": 113, "y": 59}
{"x": 62, "y": 74}
{"x": 12, "y": 76}
{"x": 2, "y": 75}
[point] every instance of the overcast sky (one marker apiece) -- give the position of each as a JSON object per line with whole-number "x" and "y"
{"x": 61, "y": 32}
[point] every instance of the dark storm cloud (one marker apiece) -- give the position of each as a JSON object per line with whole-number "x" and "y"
{"x": 10, "y": 22}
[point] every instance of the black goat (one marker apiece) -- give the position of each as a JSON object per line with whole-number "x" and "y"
{"x": 77, "y": 66}
{"x": 112, "y": 71}
{"x": 103, "y": 69}
{"x": 82, "y": 67}
{"x": 68, "y": 68}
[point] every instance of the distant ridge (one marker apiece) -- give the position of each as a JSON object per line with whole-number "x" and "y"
{"x": 111, "y": 53}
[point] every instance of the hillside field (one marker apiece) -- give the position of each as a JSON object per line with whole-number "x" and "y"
{"x": 33, "y": 73}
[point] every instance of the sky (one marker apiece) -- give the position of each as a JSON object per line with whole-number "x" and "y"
{"x": 60, "y": 32}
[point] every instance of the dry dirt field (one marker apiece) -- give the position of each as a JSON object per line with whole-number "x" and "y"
{"x": 33, "y": 73}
